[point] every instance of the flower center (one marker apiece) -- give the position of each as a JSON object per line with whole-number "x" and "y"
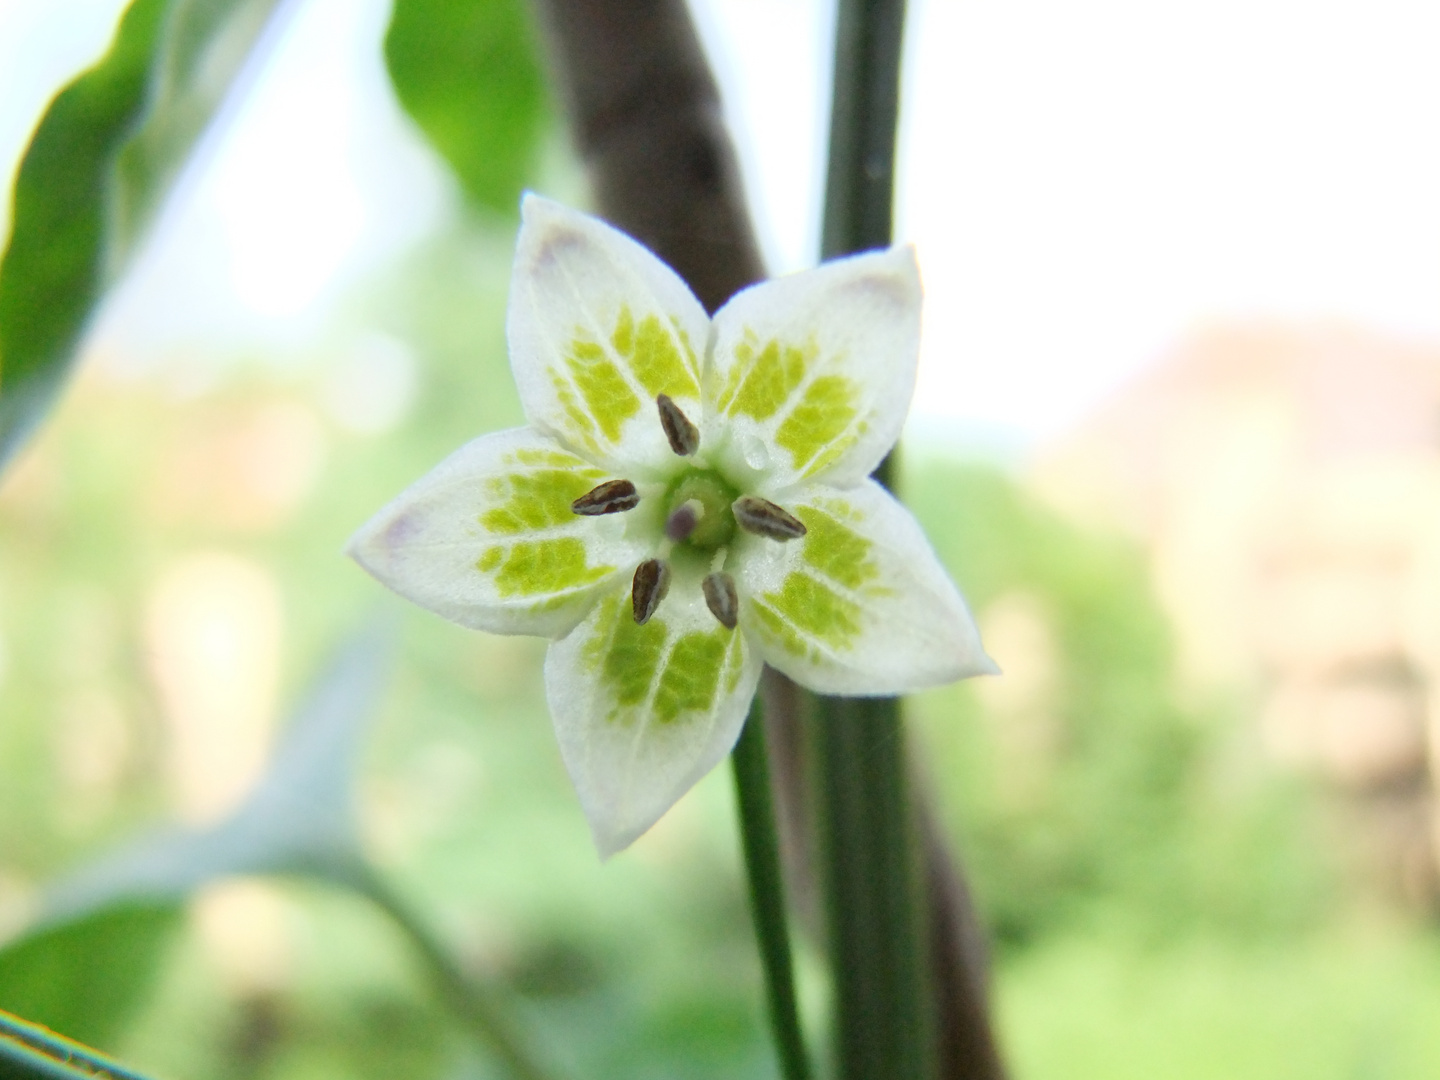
{"x": 697, "y": 509}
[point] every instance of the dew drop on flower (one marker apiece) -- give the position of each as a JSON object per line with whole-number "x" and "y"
{"x": 755, "y": 452}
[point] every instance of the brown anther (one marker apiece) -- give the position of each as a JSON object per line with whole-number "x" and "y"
{"x": 683, "y": 435}
{"x": 652, "y": 582}
{"x": 680, "y": 524}
{"x": 720, "y": 598}
{"x": 611, "y": 497}
{"x": 764, "y": 518}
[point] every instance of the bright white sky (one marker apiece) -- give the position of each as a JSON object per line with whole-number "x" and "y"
{"x": 1085, "y": 182}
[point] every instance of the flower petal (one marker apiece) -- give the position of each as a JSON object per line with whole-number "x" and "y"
{"x": 811, "y": 375}
{"x": 488, "y": 539}
{"x": 861, "y": 605}
{"x": 643, "y": 712}
{"x": 598, "y": 328}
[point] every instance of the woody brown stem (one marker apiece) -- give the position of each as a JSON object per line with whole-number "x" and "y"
{"x": 645, "y": 117}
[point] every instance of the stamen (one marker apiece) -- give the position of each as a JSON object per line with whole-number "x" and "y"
{"x": 764, "y": 518}
{"x": 652, "y": 582}
{"x": 680, "y": 524}
{"x": 683, "y": 435}
{"x": 717, "y": 561}
{"x": 611, "y": 497}
{"x": 720, "y": 598}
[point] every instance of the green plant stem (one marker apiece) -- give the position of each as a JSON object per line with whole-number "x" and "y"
{"x": 870, "y": 874}
{"x": 479, "y": 1008}
{"x": 761, "y": 845}
{"x": 869, "y": 844}
{"x": 31, "y": 1052}
{"x": 864, "y": 110}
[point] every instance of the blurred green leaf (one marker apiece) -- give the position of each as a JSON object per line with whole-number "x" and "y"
{"x": 467, "y": 73}
{"x": 206, "y": 57}
{"x": 86, "y": 979}
{"x": 298, "y": 820}
{"x": 106, "y": 152}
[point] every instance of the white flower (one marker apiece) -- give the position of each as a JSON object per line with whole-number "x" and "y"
{"x": 690, "y": 501}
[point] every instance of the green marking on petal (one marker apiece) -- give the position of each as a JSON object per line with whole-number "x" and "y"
{"x": 624, "y": 337}
{"x": 734, "y": 661}
{"x": 608, "y": 397}
{"x": 625, "y": 654}
{"x": 836, "y": 550}
{"x": 655, "y": 357}
{"x": 526, "y": 455}
{"x": 814, "y": 609}
{"x": 782, "y": 632}
{"x": 692, "y": 675}
{"x": 836, "y": 449}
{"x": 821, "y": 418}
{"x": 535, "y": 500}
{"x": 759, "y": 386}
{"x": 539, "y": 567}
{"x": 582, "y": 427}
{"x": 692, "y": 362}
{"x": 631, "y": 660}
{"x": 818, "y": 606}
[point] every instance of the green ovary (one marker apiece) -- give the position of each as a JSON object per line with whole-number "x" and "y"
{"x": 715, "y": 495}
{"x": 540, "y": 567}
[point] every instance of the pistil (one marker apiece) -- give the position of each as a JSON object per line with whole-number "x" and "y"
{"x": 697, "y": 510}
{"x": 683, "y": 519}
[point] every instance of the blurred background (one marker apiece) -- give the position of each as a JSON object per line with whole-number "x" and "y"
{"x": 1177, "y": 437}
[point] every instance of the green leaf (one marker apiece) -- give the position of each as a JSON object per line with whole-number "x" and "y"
{"x": 206, "y": 58}
{"x": 86, "y": 979}
{"x": 298, "y": 820}
{"x": 467, "y": 72}
{"x": 34, "y": 1052}
{"x": 106, "y": 152}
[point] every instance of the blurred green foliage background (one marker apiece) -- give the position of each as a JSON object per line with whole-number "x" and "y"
{"x": 1161, "y": 902}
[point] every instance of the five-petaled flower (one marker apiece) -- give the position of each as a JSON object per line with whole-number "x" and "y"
{"x": 690, "y": 501}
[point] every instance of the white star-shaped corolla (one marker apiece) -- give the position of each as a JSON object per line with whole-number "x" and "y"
{"x": 690, "y": 502}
